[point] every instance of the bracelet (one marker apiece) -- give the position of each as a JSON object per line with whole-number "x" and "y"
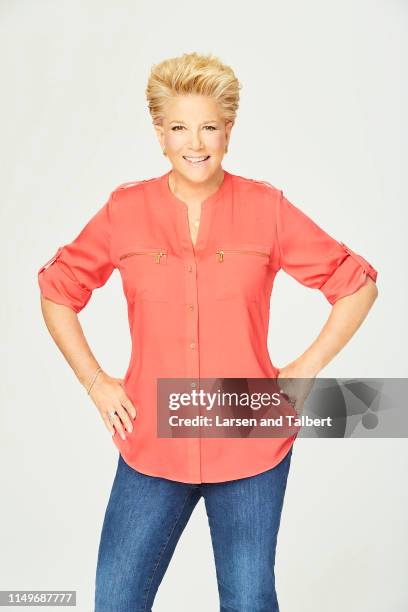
{"x": 94, "y": 378}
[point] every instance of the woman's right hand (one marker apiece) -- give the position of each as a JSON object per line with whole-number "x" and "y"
{"x": 108, "y": 395}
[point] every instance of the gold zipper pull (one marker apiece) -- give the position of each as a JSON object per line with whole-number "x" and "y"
{"x": 220, "y": 256}
{"x": 158, "y": 256}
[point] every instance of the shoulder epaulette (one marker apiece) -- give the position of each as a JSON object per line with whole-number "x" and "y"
{"x": 267, "y": 184}
{"x": 128, "y": 184}
{"x": 133, "y": 183}
{"x": 258, "y": 182}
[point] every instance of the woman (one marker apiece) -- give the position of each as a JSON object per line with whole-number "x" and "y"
{"x": 198, "y": 249}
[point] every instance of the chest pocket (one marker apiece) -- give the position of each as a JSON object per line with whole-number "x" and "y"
{"x": 144, "y": 272}
{"x": 241, "y": 271}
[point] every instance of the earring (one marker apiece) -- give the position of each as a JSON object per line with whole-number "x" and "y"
{"x": 164, "y": 152}
{"x": 226, "y": 148}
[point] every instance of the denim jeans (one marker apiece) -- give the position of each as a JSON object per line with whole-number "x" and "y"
{"x": 146, "y": 516}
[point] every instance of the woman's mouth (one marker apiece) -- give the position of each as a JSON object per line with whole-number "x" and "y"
{"x": 196, "y": 161}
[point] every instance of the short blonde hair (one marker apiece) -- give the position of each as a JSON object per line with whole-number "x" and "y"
{"x": 192, "y": 73}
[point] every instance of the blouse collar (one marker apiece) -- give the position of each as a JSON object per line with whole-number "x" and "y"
{"x": 222, "y": 189}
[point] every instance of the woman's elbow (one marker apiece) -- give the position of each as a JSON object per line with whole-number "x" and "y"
{"x": 370, "y": 290}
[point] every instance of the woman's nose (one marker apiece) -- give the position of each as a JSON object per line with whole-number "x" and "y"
{"x": 195, "y": 142}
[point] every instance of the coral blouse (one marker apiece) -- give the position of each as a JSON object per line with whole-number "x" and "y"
{"x": 198, "y": 311}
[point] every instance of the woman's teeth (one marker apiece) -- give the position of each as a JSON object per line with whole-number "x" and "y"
{"x": 194, "y": 161}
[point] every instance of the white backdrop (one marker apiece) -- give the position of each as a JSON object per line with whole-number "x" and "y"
{"x": 321, "y": 118}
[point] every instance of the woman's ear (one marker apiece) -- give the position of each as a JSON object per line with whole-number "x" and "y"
{"x": 228, "y": 127}
{"x": 160, "y": 133}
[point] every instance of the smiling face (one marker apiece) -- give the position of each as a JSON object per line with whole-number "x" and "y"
{"x": 193, "y": 129}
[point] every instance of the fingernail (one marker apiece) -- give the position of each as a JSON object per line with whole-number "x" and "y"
{"x": 130, "y": 428}
{"x": 123, "y": 437}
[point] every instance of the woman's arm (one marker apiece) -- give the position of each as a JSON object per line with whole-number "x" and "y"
{"x": 107, "y": 393}
{"x": 346, "y": 316}
{"x": 66, "y": 283}
{"x": 346, "y": 279}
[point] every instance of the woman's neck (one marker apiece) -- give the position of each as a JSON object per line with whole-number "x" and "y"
{"x": 193, "y": 193}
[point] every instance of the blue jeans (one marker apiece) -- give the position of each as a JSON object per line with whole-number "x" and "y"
{"x": 146, "y": 516}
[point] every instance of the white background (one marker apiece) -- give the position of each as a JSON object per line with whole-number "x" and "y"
{"x": 321, "y": 118}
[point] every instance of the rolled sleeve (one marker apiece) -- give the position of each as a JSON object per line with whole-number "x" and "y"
{"x": 314, "y": 258}
{"x": 77, "y": 268}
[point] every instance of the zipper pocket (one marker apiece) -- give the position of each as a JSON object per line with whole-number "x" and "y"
{"x": 156, "y": 254}
{"x": 221, "y": 253}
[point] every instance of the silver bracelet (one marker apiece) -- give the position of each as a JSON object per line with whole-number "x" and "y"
{"x": 94, "y": 378}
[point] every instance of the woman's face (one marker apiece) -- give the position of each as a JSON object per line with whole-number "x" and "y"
{"x": 194, "y": 128}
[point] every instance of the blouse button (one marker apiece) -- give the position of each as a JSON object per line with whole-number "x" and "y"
{"x": 190, "y": 268}
{"x": 192, "y": 345}
{"x": 191, "y": 306}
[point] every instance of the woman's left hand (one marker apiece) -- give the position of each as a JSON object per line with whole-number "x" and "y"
{"x": 295, "y": 381}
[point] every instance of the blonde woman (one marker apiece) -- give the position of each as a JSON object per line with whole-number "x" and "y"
{"x": 197, "y": 249}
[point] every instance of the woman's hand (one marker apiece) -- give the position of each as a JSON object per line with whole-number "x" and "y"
{"x": 295, "y": 381}
{"x": 109, "y": 396}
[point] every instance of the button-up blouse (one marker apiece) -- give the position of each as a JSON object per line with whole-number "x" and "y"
{"x": 198, "y": 310}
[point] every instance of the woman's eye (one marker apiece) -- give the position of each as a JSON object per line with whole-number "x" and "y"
{"x": 174, "y": 128}
{"x": 211, "y": 127}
